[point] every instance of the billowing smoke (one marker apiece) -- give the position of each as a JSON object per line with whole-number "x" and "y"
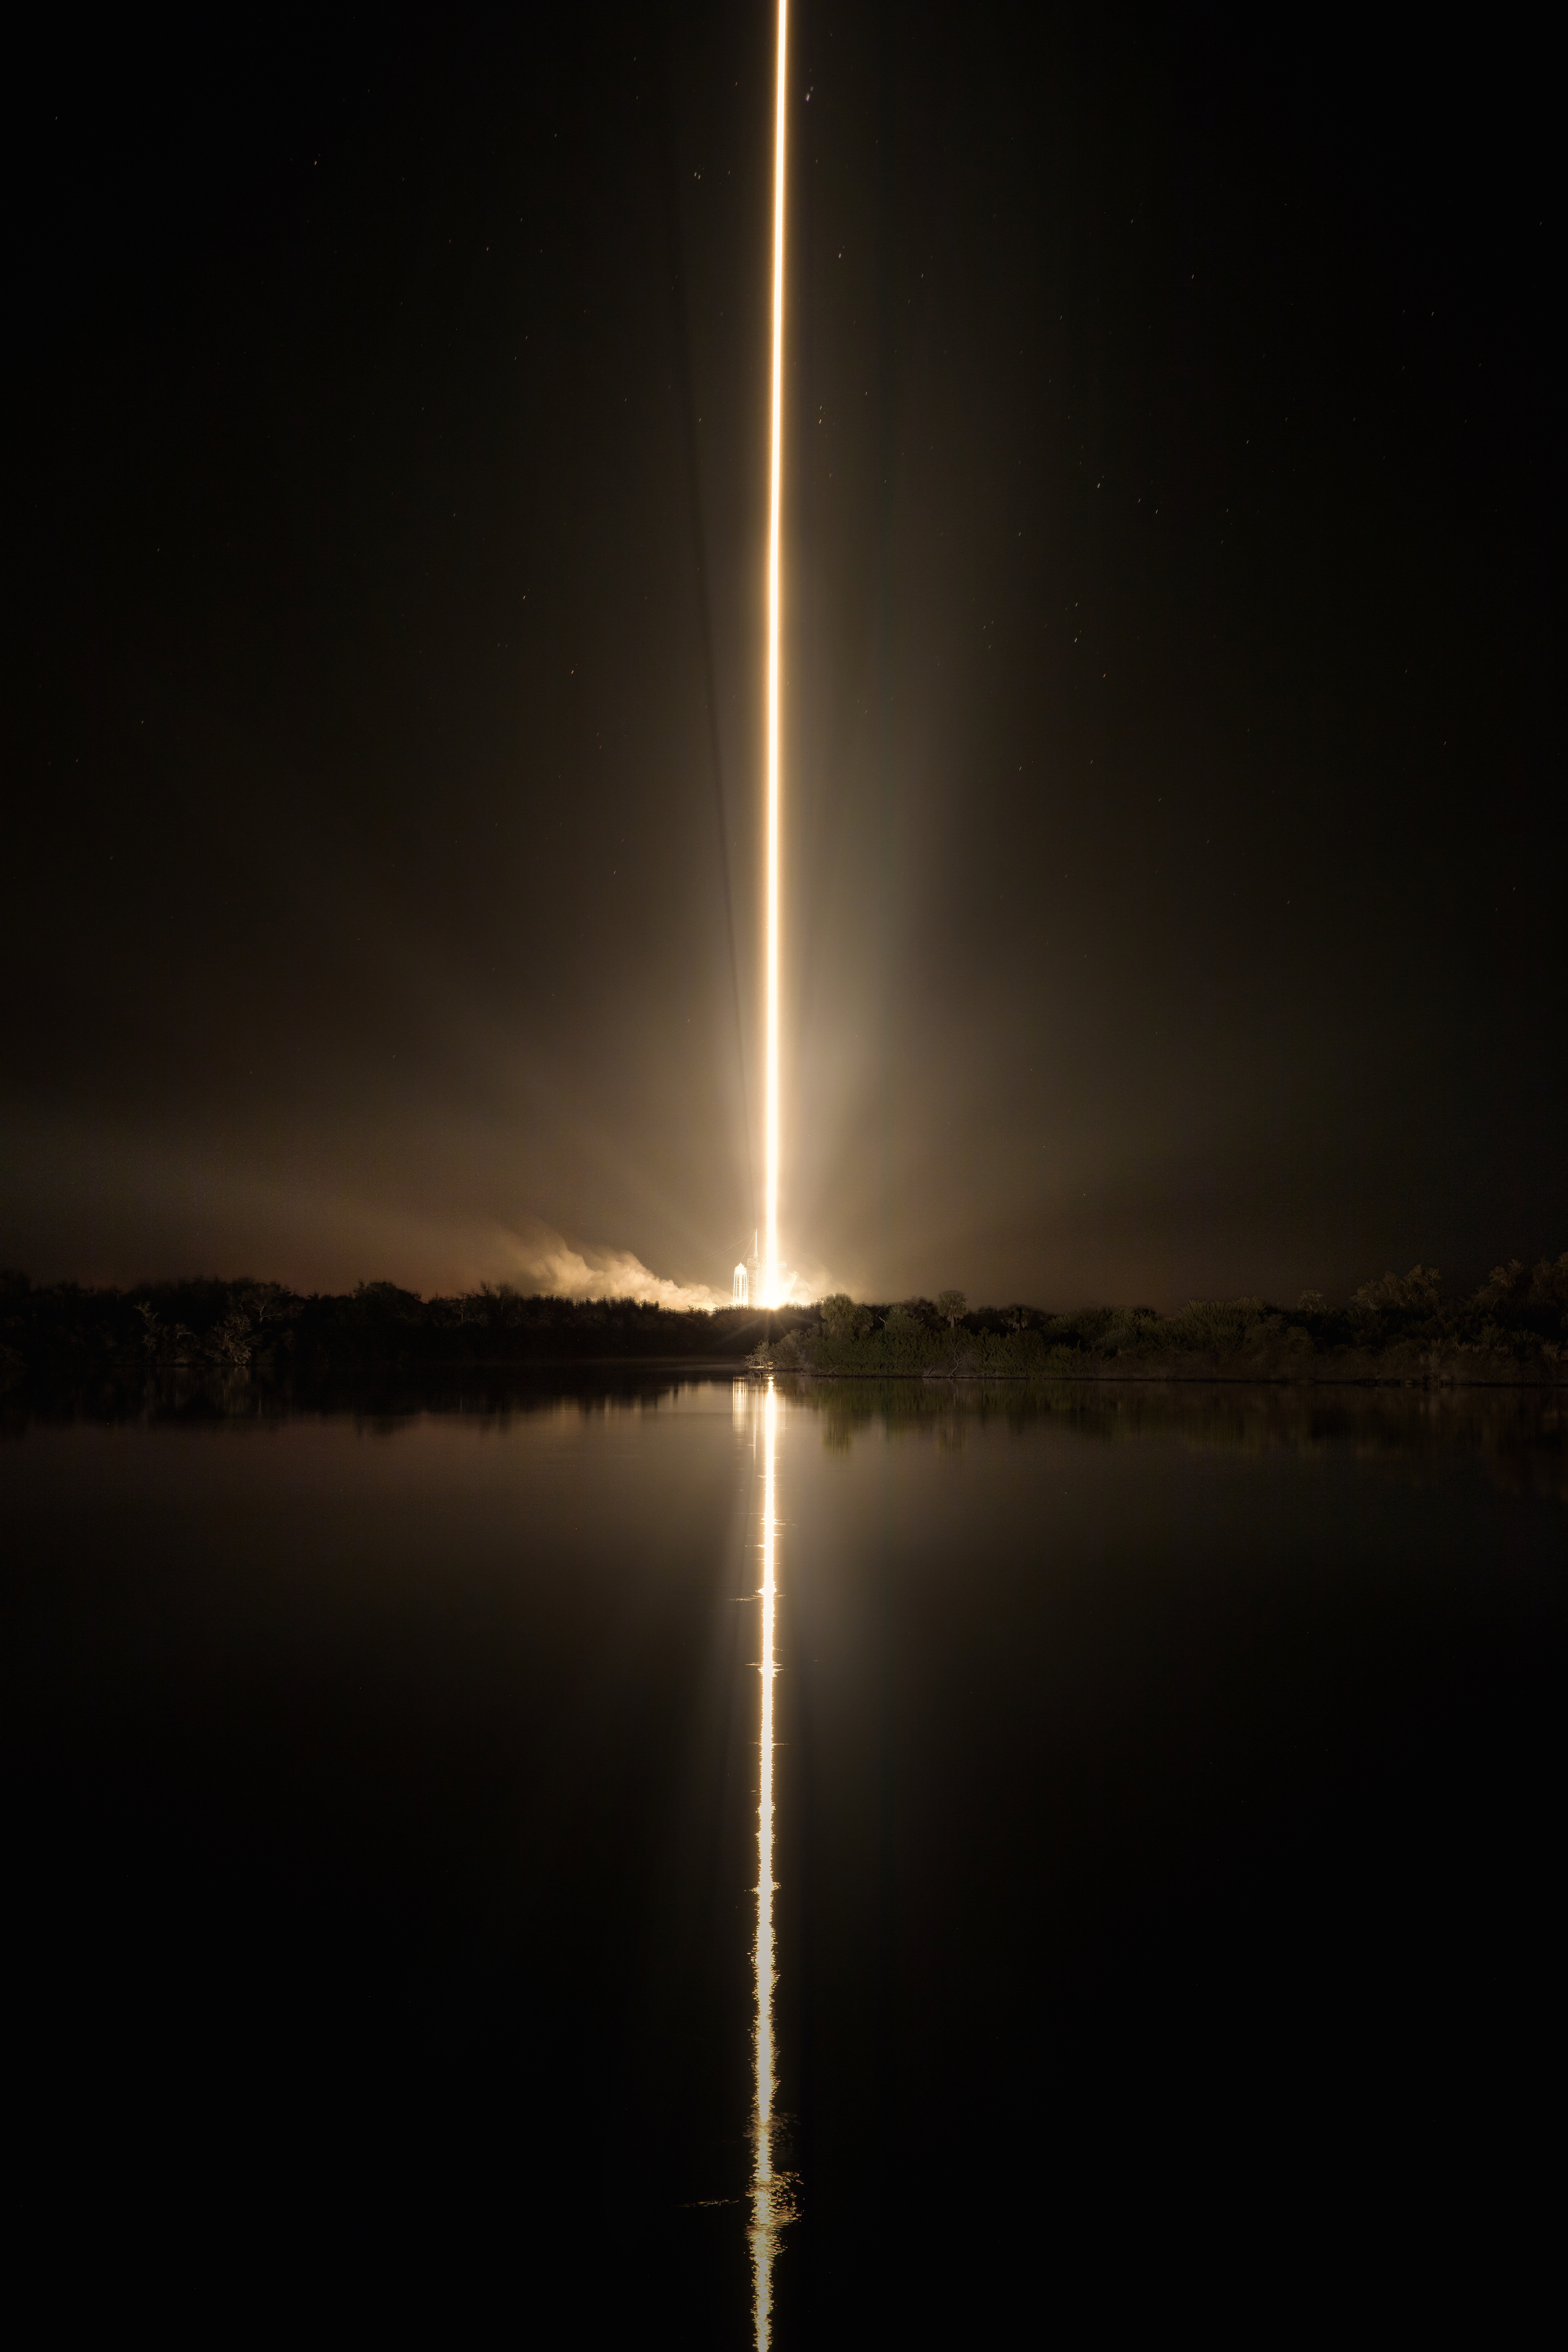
{"x": 545, "y": 1261}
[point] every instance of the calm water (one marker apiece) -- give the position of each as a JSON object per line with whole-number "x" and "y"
{"x": 1163, "y": 1804}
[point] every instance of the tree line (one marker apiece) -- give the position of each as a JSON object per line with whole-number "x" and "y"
{"x": 248, "y": 1326}
{"x": 1399, "y": 1326}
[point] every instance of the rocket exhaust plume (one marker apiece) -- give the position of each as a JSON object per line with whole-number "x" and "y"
{"x": 775, "y": 488}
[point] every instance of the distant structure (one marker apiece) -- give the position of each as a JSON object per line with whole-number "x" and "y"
{"x": 748, "y": 1287}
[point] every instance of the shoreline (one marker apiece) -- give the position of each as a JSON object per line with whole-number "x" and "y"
{"x": 1425, "y": 1384}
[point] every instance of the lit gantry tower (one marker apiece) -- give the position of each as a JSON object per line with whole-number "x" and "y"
{"x": 770, "y": 1285}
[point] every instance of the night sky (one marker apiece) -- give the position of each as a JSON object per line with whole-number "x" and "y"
{"x": 1173, "y": 475}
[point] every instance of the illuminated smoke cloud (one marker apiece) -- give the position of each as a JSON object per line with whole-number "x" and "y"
{"x": 547, "y": 1262}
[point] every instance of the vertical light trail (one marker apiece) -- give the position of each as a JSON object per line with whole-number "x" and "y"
{"x": 775, "y": 497}
{"x": 770, "y": 2187}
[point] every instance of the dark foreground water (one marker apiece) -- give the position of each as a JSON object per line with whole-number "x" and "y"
{"x": 1167, "y": 1846}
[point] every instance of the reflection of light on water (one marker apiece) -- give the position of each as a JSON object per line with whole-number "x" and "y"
{"x": 771, "y": 1296}
{"x": 770, "y": 2206}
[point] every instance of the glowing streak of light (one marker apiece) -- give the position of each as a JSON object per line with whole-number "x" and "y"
{"x": 775, "y": 494}
{"x": 770, "y": 2203}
